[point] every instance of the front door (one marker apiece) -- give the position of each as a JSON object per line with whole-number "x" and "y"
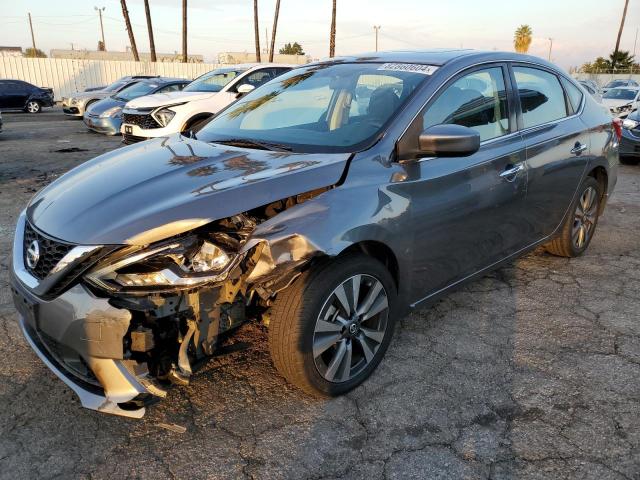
{"x": 467, "y": 211}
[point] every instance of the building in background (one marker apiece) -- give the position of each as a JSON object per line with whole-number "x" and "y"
{"x": 234, "y": 58}
{"x": 11, "y": 52}
{"x": 122, "y": 56}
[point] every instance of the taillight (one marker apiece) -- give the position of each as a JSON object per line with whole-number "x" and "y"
{"x": 617, "y": 127}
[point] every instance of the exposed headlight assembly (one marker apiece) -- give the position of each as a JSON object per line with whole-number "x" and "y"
{"x": 181, "y": 264}
{"x": 164, "y": 115}
{"x": 111, "y": 112}
{"x": 630, "y": 124}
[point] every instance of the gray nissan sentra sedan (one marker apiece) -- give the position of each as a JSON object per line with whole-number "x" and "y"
{"x": 325, "y": 204}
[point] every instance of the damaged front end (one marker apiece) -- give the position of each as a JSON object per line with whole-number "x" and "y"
{"x": 121, "y": 324}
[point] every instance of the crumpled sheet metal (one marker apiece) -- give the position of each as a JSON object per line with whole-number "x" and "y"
{"x": 280, "y": 260}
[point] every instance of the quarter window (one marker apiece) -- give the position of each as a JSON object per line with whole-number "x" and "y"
{"x": 574, "y": 94}
{"x": 477, "y": 100}
{"x": 541, "y": 96}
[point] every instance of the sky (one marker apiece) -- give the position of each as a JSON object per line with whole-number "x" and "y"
{"x": 581, "y": 29}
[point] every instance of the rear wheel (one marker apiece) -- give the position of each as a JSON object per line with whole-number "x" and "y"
{"x": 33, "y": 106}
{"x": 330, "y": 329}
{"x": 581, "y": 222}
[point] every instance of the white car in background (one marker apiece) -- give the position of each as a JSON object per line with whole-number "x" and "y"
{"x": 621, "y": 101}
{"x": 162, "y": 114}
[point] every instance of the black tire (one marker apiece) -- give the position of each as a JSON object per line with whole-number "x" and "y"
{"x": 33, "y": 106}
{"x": 629, "y": 160}
{"x": 296, "y": 312}
{"x": 564, "y": 245}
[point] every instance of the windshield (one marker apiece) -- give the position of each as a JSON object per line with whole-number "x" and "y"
{"x": 115, "y": 86}
{"x": 321, "y": 108}
{"x": 621, "y": 94}
{"x": 213, "y": 81}
{"x": 616, "y": 83}
{"x": 136, "y": 90}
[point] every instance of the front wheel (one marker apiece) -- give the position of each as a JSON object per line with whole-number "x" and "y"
{"x": 581, "y": 222}
{"x": 330, "y": 329}
{"x": 33, "y": 107}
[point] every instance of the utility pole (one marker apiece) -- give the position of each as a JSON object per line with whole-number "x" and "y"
{"x": 33, "y": 38}
{"x": 377, "y": 29}
{"x": 152, "y": 45}
{"x": 184, "y": 31}
{"x": 332, "y": 34}
{"x": 550, "y": 47}
{"x": 256, "y": 29}
{"x": 266, "y": 41}
{"x": 273, "y": 32}
{"x": 100, "y": 10}
{"x": 127, "y": 22}
{"x": 615, "y": 52}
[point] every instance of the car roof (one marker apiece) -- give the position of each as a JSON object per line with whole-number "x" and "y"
{"x": 437, "y": 57}
{"x": 625, "y": 88}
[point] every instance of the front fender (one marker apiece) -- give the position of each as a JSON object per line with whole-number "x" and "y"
{"x": 326, "y": 226}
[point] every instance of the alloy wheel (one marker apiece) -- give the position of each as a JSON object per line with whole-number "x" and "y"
{"x": 33, "y": 107}
{"x": 585, "y": 218}
{"x": 350, "y": 328}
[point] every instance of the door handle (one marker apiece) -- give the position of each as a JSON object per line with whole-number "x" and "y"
{"x": 512, "y": 171}
{"x": 578, "y": 148}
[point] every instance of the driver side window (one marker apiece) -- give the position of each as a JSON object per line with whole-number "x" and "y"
{"x": 477, "y": 100}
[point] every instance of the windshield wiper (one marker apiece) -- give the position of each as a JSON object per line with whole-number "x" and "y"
{"x": 245, "y": 142}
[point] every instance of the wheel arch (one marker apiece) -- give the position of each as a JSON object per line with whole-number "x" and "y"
{"x": 381, "y": 252}
{"x": 198, "y": 117}
{"x": 602, "y": 177}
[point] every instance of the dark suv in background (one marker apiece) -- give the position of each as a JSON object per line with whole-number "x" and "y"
{"x": 21, "y": 95}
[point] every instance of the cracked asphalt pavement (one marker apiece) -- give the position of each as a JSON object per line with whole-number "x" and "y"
{"x": 532, "y": 372}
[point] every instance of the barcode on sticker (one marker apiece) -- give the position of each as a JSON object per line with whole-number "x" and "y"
{"x": 409, "y": 67}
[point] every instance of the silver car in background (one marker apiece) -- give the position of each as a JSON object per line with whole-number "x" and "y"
{"x": 593, "y": 89}
{"x": 76, "y": 104}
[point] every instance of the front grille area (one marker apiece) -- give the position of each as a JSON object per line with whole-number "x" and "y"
{"x": 128, "y": 139}
{"x": 145, "y": 122}
{"x": 51, "y": 252}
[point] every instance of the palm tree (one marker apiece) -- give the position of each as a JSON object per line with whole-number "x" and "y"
{"x": 152, "y": 45}
{"x": 273, "y": 32}
{"x": 615, "y": 52}
{"x": 256, "y": 29}
{"x": 621, "y": 60}
{"x": 522, "y": 38}
{"x": 332, "y": 34}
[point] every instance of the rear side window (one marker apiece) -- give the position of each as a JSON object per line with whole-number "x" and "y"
{"x": 574, "y": 94}
{"x": 541, "y": 96}
{"x": 477, "y": 101}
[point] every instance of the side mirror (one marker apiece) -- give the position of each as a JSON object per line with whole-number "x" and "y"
{"x": 244, "y": 89}
{"x": 449, "y": 141}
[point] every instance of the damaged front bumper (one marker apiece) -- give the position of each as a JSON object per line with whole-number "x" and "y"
{"x": 69, "y": 345}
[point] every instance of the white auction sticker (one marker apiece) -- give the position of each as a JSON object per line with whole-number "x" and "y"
{"x": 409, "y": 67}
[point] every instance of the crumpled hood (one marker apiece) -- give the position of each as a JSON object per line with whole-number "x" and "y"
{"x": 162, "y": 187}
{"x": 614, "y": 102}
{"x": 170, "y": 98}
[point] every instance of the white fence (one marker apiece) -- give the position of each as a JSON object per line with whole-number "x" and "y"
{"x": 66, "y": 76}
{"x": 603, "y": 78}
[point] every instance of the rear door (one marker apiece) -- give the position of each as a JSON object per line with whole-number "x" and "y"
{"x": 467, "y": 210}
{"x": 557, "y": 145}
